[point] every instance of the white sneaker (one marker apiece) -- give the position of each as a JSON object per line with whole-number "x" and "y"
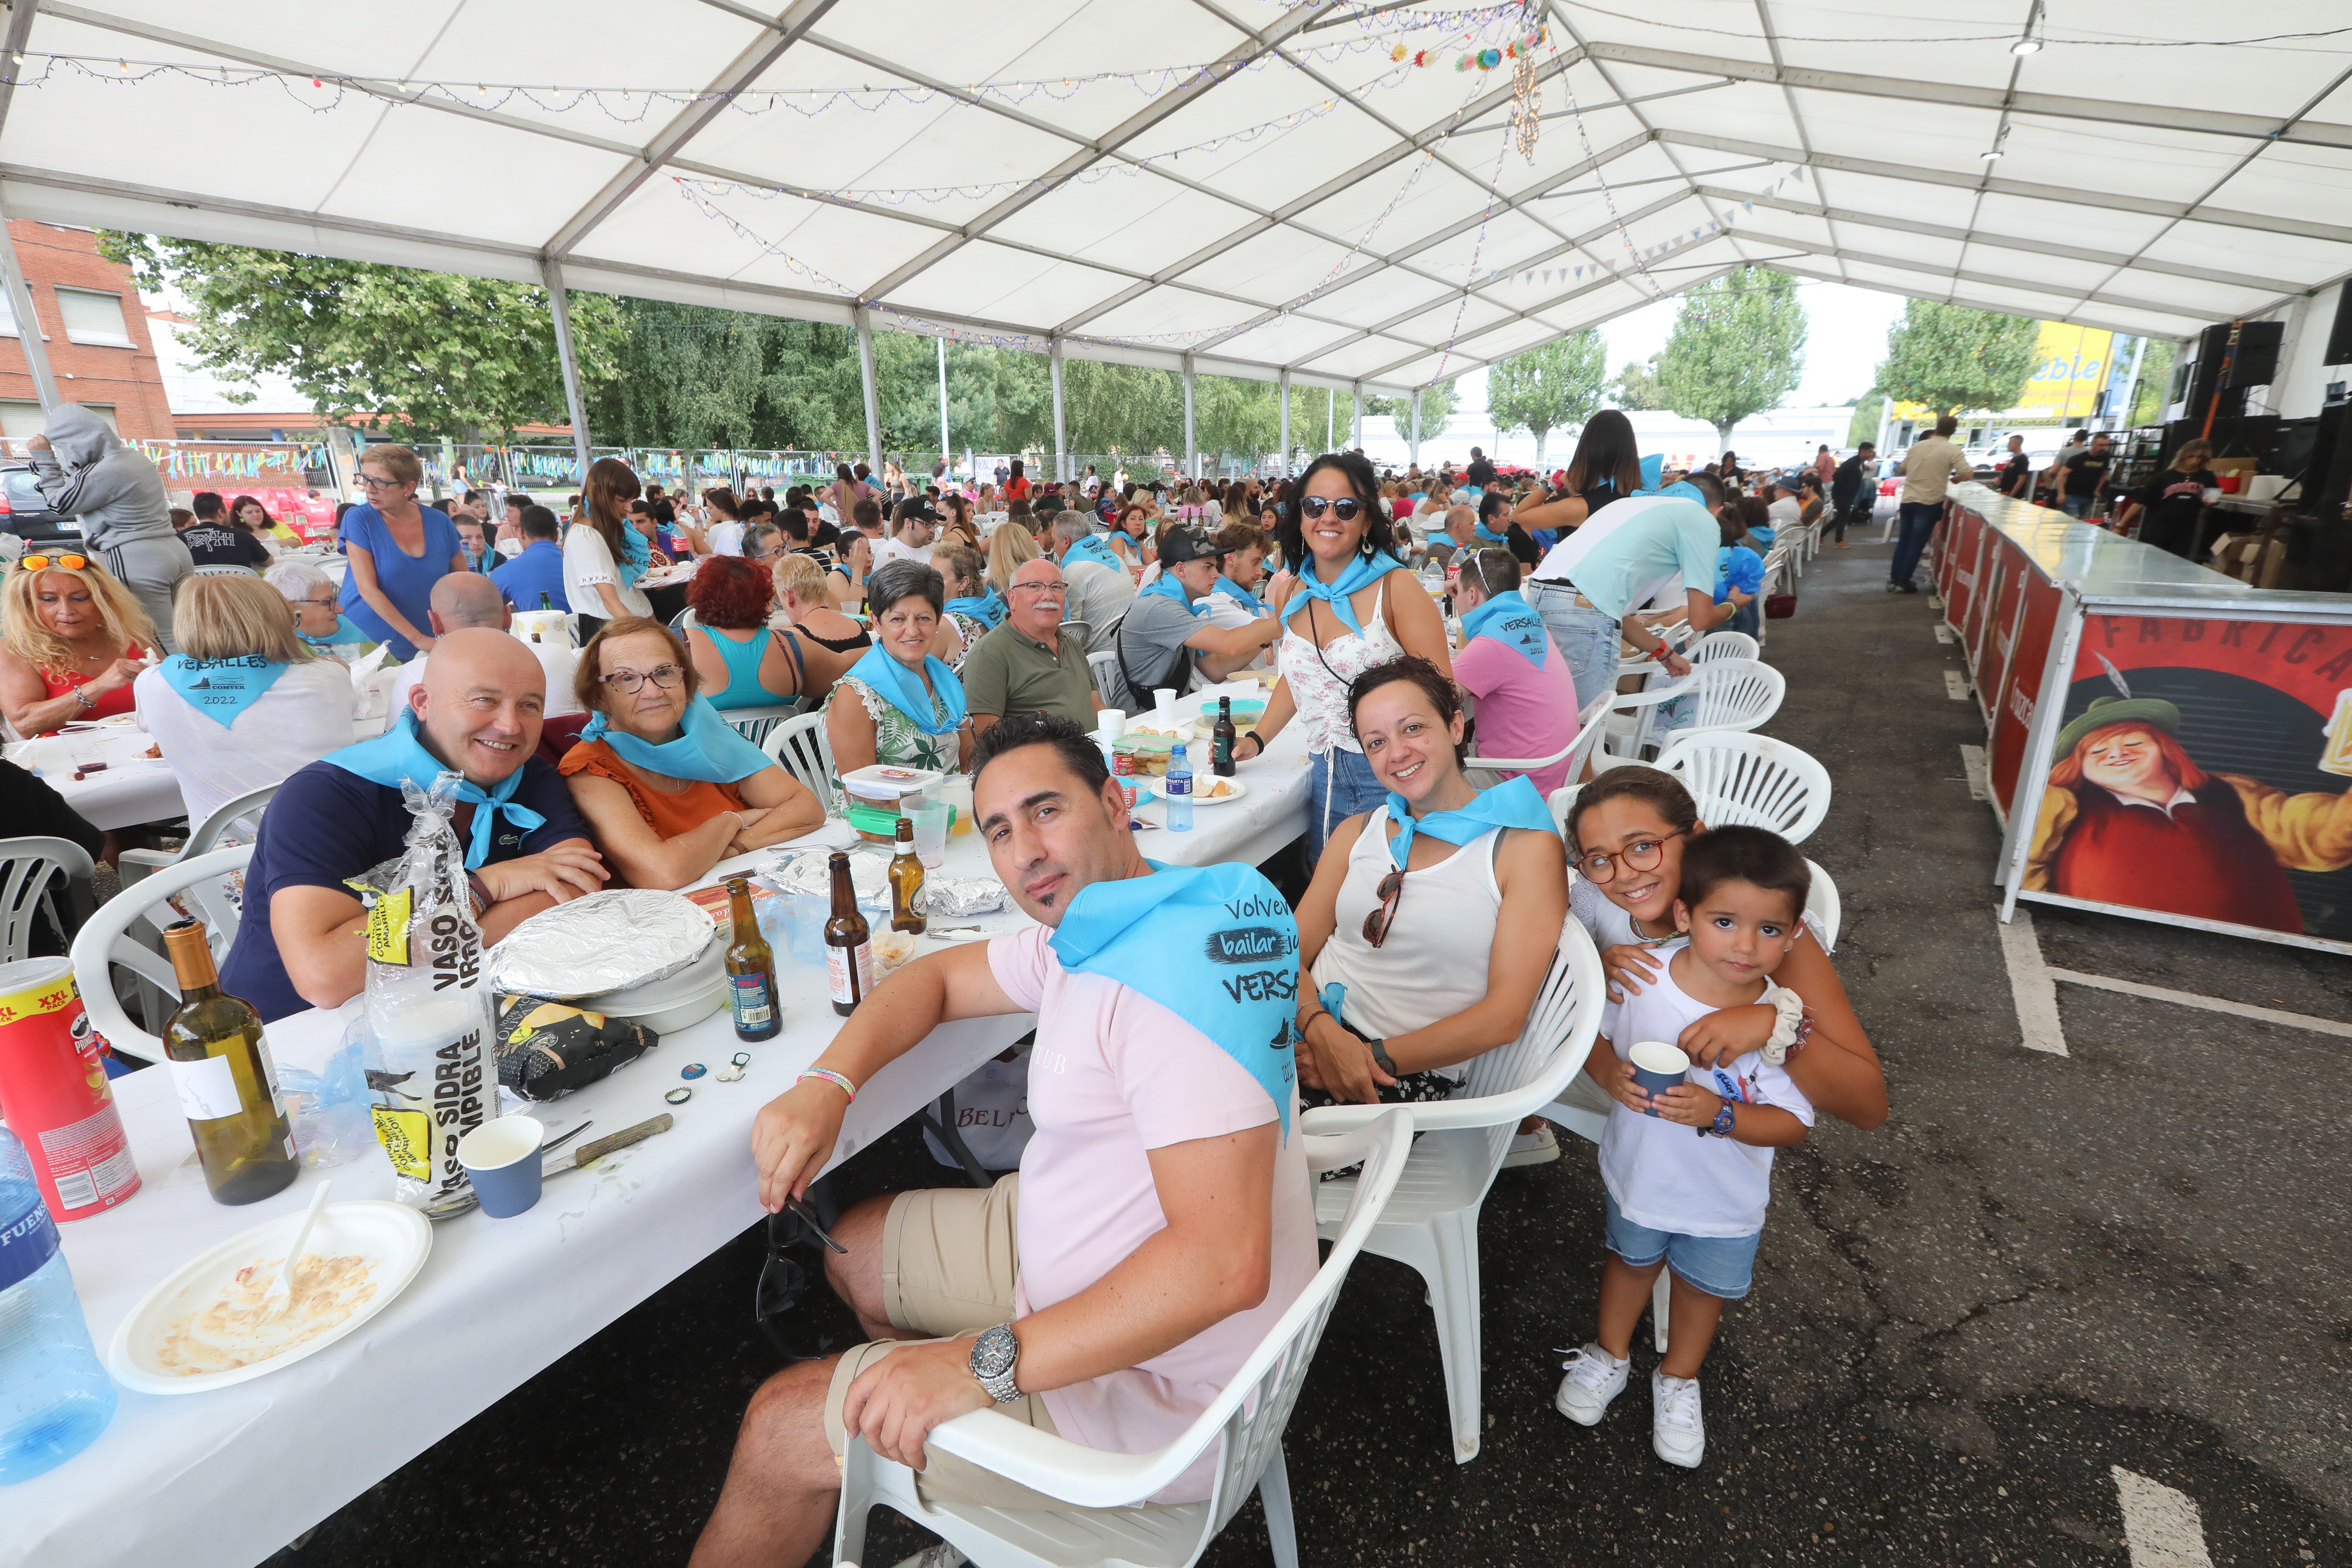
{"x": 1536, "y": 1148}
{"x": 1594, "y": 1378}
{"x": 1677, "y": 1431}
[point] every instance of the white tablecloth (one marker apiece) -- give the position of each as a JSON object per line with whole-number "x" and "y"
{"x": 134, "y": 788}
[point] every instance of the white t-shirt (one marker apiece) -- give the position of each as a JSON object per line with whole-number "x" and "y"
{"x": 726, "y": 538}
{"x": 559, "y": 663}
{"x": 304, "y": 715}
{"x": 888, "y": 548}
{"x": 1786, "y": 512}
{"x": 586, "y": 563}
{"x": 1665, "y": 1175}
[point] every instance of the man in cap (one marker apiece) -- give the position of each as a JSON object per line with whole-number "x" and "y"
{"x": 1168, "y": 632}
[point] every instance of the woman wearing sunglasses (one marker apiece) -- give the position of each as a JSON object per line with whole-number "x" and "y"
{"x": 1342, "y": 615}
{"x": 1430, "y": 923}
{"x": 668, "y": 787}
{"x": 75, "y": 639}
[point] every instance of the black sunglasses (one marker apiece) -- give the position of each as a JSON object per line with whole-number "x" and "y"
{"x": 1347, "y": 507}
{"x": 785, "y": 1278}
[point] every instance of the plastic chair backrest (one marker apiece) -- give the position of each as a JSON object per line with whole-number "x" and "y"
{"x": 1109, "y": 685}
{"x": 684, "y": 619}
{"x": 805, "y": 750}
{"x": 1724, "y": 646}
{"x": 27, "y": 866}
{"x": 1823, "y": 904}
{"x": 229, "y": 817}
{"x": 1738, "y": 694}
{"x": 102, "y": 940}
{"x": 754, "y": 723}
{"x": 1741, "y": 780}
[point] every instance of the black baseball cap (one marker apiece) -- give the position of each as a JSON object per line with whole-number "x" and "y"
{"x": 1179, "y": 545}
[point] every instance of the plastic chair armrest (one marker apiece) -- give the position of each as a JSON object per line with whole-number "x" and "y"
{"x": 1080, "y": 1476}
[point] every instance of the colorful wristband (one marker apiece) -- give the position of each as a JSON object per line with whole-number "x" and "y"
{"x": 826, "y": 1074}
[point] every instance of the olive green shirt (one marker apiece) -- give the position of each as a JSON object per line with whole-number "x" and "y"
{"x": 1009, "y": 673}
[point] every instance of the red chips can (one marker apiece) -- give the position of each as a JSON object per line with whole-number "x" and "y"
{"x": 54, "y": 1093}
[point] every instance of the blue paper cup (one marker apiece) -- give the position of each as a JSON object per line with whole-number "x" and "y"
{"x": 1657, "y": 1067}
{"x": 501, "y": 1159}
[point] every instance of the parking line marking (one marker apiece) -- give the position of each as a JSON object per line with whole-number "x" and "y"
{"x": 1978, "y": 767}
{"x": 2161, "y": 1526}
{"x": 1956, "y": 685}
{"x": 2030, "y": 986}
{"x": 2208, "y": 1004}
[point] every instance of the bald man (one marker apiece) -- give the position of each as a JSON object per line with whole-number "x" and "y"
{"x": 477, "y": 712}
{"x": 463, "y": 600}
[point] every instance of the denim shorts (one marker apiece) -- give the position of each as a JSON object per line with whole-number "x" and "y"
{"x": 1340, "y": 784}
{"x": 1722, "y": 1266}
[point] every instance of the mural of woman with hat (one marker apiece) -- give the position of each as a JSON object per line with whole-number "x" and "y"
{"x": 2130, "y": 819}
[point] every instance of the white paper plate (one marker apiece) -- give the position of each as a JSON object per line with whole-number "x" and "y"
{"x": 393, "y": 1238}
{"x": 1157, "y": 793}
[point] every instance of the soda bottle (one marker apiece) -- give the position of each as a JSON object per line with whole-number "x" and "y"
{"x": 55, "y": 1398}
{"x": 1178, "y": 787}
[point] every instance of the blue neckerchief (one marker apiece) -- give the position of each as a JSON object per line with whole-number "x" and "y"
{"x": 1215, "y": 944}
{"x": 896, "y": 685}
{"x": 396, "y": 758}
{"x": 1514, "y": 803}
{"x": 1653, "y": 468}
{"x": 347, "y": 631}
{"x": 221, "y": 688}
{"x": 637, "y": 555}
{"x": 1508, "y": 619}
{"x": 988, "y": 611}
{"x": 1167, "y": 587}
{"x": 1490, "y": 537}
{"x": 708, "y": 747}
{"x": 1092, "y": 548}
{"x": 1362, "y": 572}
{"x": 1238, "y": 594}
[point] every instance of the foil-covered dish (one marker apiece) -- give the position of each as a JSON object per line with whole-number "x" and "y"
{"x": 607, "y": 941}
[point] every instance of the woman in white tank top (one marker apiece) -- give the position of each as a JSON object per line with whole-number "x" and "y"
{"x": 1440, "y": 960}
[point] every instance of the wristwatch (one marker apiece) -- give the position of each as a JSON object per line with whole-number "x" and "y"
{"x": 1381, "y": 1055}
{"x": 994, "y": 1355}
{"x": 1722, "y": 1124}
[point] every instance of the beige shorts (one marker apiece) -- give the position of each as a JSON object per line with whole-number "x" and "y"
{"x": 948, "y": 1267}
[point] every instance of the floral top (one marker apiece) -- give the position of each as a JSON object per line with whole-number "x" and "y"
{"x": 968, "y": 631}
{"x": 897, "y": 742}
{"x": 1319, "y": 678}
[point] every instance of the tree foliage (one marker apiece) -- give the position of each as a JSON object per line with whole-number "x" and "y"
{"x": 424, "y": 353}
{"x": 1950, "y": 357}
{"x": 1863, "y": 425}
{"x": 1737, "y": 347}
{"x": 1635, "y": 389}
{"x": 1549, "y": 388}
{"x": 2155, "y": 387}
{"x": 1437, "y": 405}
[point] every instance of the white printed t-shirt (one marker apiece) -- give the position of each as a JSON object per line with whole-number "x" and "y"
{"x": 1665, "y": 1176}
{"x": 1113, "y": 1076}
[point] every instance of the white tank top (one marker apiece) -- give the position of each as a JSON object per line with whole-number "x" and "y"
{"x": 1434, "y": 964}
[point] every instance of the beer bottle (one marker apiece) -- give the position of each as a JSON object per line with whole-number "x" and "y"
{"x": 1221, "y": 739}
{"x": 848, "y": 944}
{"x": 226, "y": 1082}
{"x": 544, "y": 602}
{"x": 906, "y": 882}
{"x": 751, "y": 969}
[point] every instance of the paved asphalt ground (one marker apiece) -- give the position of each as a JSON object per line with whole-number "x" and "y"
{"x": 2041, "y": 1268}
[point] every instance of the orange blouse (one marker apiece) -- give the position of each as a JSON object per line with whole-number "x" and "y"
{"x": 669, "y": 815}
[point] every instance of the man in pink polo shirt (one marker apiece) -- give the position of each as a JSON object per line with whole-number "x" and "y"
{"x": 1161, "y": 1221}
{"x": 1526, "y": 696}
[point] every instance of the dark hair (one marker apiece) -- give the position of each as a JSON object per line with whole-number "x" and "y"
{"x": 239, "y": 505}
{"x": 1290, "y": 536}
{"x": 518, "y": 499}
{"x": 1490, "y": 503}
{"x": 611, "y": 483}
{"x": 897, "y": 579}
{"x": 1498, "y": 570}
{"x": 1947, "y": 424}
{"x": 1753, "y": 512}
{"x": 1661, "y": 792}
{"x": 794, "y": 523}
{"x": 471, "y": 496}
{"x": 207, "y": 505}
{"x": 861, "y": 470}
{"x": 1082, "y": 757}
{"x": 1419, "y": 672}
{"x": 732, "y": 593}
{"x": 1016, "y": 473}
{"x": 842, "y": 475}
{"x": 1235, "y": 537}
{"x": 1708, "y": 486}
{"x": 537, "y": 522}
{"x": 1606, "y": 453}
{"x": 866, "y": 513}
{"x": 665, "y": 514}
{"x": 1757, "y": 857}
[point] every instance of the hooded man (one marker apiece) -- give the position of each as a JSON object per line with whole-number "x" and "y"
{"x": 126, "y": 520}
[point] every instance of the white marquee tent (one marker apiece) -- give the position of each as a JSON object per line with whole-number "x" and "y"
{"x": 1243, "y": 187}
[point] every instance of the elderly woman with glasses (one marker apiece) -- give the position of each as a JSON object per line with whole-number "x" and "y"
{"x": 397, "y": 550}
{"x": 319, "y": 620}
{"x": 668, "y": 787}
{"x": 1432, "y": 918}
{"x": 74, "y": 642}
{"x": 900, "y": 704}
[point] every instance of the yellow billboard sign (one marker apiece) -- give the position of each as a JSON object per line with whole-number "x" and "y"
{"x": 2070, "y": 366}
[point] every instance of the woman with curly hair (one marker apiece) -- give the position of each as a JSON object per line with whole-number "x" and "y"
{"x": 741, "y": 661}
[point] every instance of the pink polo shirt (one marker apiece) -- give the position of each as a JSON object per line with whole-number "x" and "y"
{"x": 1114, "y": 1075}
{"x": 1522, "y": 711}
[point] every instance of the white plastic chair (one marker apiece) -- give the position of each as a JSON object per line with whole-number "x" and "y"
{"x": 805, "y": 750}
{"x": 1109, "y": 685}
{"x": 1740, "y": 779}
{"x": 754, "y": 723}
{"x": 105, "y": 939}
{"x": 28, "y": 868}
{"x": 1123, "y": 1532}
{"x": 1824, "y": 905}
{"x": 1733, "y": 695}
{"x": 1432, "y": 1222}
{"x": 1724, "y": 646}
{"x": 1591, "y": 729}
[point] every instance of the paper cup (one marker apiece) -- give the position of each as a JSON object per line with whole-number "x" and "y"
{"x": 501, "y": 1159}
{"x": 1163, "y": 700}
{"x": 1657, "y": 1066}
{"x": 1110, "y": 723}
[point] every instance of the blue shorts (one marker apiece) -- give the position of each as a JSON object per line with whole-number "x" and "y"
{"x": 1721, "y": 1266}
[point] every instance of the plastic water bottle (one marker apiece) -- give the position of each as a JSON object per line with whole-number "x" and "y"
{"x": 54, "y": 1398}
{"x": 1179, "y": 789}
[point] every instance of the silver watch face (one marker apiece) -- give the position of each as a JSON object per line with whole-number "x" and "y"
{"x": 993, "y": 1352}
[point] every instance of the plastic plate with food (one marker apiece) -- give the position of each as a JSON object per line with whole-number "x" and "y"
{"x": 1207, "y": 791}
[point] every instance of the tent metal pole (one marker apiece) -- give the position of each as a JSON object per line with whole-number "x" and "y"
{"x": 559, "y": 305}
{"x": 1191, "y": 444}
{"x": 872, "y": 403}
{"x": 946, "y": 456}
{"x": 1330, "y": 418}
{"x": 1416, "y": 427}
{"x": 1356, "y": 419}
{"x": 1286, "y": 423}
{"x": 1060, "y": 422}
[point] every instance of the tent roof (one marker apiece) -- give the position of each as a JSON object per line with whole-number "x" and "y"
{"x": 1259, "y": 185}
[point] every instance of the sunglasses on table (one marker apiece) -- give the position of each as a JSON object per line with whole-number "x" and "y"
{"x": 665, "y": 676}
{"x": 1642, "y": 854}
{"x": 43, "y": 562}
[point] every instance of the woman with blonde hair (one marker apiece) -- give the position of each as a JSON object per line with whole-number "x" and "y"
{"x": 396, "y": 550}
{"x": 1009, "y": 547}
{"x": 245, "y": 703}
{"x": 806, "y": 600}
{"x": 603, "y": 555}
{"x": 72, "y": 639}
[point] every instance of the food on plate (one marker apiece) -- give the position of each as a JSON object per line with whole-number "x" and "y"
{"x": 1217, "y": 790}
{"x": 241, "y": 1325}
{"x": 891, "y": 949}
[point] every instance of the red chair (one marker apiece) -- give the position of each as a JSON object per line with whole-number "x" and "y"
{"x": 558, "y": 735}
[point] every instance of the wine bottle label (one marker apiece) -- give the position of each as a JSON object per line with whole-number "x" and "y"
{"x": 207, "y": 1087}
{"x": 269, "y": 1074}
{"x": 836, "y": 963}
{"x": 754, "y": 1007}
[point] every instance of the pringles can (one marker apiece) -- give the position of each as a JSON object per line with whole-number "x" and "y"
{"x": 54, "y": 1093}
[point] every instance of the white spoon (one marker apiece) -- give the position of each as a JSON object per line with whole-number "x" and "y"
{"x": 281, "y": 1289}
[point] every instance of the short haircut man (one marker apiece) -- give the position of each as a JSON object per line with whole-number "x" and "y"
{"x": 208, "y": 506}
{"x": 538, "y": 523}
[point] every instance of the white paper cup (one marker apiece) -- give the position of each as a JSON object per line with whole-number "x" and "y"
{"x": 1657, "y": 1066}
{"x": 1163, "y": 700}
{"x": 1110, "y": 723}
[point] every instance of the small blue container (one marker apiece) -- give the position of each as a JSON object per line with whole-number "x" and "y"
{"x": 501, "y": 1159}
{"x": 1658, "y": 1067}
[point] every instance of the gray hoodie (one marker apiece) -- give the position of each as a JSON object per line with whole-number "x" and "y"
{"x": 88, "y": 474}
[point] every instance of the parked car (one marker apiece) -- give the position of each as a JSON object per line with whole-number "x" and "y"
{"x": 25, "y": 512}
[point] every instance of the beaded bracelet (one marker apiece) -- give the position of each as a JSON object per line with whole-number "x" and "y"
{"x": 826, "y": 1074}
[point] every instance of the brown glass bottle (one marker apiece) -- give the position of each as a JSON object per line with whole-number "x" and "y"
{"x": 849, "y": 943}
{"x": 1221, "y": 739}
{"x": 905, "y": 883}
{"x": 227, "y": 1085}
{"x": 751, "y": 969}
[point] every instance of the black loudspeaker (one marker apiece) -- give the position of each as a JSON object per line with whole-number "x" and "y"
{"x": 2340, "y": 340}
{"x": 2205, "y": 375}
{"x": 2255, "y": 364}
{"x": 2327, "y": 474}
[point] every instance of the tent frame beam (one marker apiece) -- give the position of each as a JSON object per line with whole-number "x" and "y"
{"x": 559, "y": 305}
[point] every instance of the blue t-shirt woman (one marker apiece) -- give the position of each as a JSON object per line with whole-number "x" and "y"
{"x": 405, "y": 581}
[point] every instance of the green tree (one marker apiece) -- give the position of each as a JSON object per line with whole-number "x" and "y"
{"x": 425, "y": 353}
{"x": 1550, "y": 387}
{"x": 1948, "y": 358}
{"x": 1737, "y": 347}
{"x": 1863, "y": 425}
{"x": 692, "y": 376}
{"x": 2155, "y": 386}
{"x": 1635, "y": 389}
{"x": 1437, "y": 405}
